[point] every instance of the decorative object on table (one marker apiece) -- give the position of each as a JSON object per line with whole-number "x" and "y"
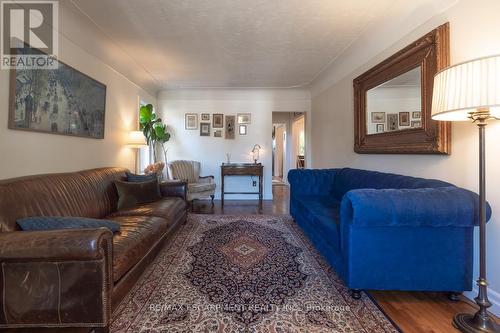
{"x": 230, "y": 124}
{"x": 136, "y": 140}
{"x": 204, "y": 129}
{"x": 205, "y": 117}
{"x": 198, "y": 187}
{"x": 255, "y": 153}
{"x": 218, "y": 134}
{"x": 228, "y": 158}
{"x": 57, "y": 101}
{"x": 380, "y": 128}
{"x": 416, "y": 115}
{"x": 404, "y": 119}
{"x": 378, "y": 117}
{"x": 154, "y": 130}
{"x": 155, "y": 169}
{"x": 416, "y": 63}
{"x": 479, "y": 81}
{"x": 218, "y": 120}
{"x": 416, "y": 123}
{"x": 392, "y": 122}
{"x": 243, "y": 129}
{"x": 244, "y": 118}
{"x": 191, "y": 121}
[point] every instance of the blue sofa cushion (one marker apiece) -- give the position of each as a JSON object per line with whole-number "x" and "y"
{"x": 132, "y": 177}
{"x": 347, "y": 179}
{"x": 38, "y": 223}
{"x": 323, "y": 212}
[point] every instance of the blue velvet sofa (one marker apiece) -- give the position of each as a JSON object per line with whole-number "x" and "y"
{"x": 384, "y": 231}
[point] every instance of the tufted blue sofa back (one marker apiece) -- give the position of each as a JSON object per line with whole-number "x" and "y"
{"x": 347, "y": 179}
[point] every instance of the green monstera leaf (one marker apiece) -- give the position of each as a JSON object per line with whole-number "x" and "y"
{"x": 146, "y": 114}
{"x": 161, "y": 133}
{"x": 152, "y": 127}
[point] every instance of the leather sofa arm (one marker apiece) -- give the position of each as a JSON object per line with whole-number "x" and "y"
{"x": 60, "y": 278}
{"x": 174, "y": 188}
{"x": 432, "y": 207}
{"x": 67, "y": 244}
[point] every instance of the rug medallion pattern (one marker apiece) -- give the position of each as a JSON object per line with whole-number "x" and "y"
{"x": 243, "y": 274}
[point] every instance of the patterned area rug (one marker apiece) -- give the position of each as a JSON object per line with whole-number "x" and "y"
{"x": 243, "y": 274}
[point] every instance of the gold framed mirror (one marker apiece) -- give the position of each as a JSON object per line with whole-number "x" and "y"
{"x": 392, "y": 101}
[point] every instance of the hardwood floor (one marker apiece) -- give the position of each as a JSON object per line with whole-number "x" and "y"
{"x": 413, "y": 312}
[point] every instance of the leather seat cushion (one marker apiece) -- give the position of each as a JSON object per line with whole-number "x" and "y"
{"x": 137, "y": 236}
{"x": 201, "y": 187}
{"x": 167, "y": 208}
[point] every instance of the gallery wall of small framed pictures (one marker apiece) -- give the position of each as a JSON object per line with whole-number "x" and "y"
{"x": 388, "y": 122}
{"x": 222, "y": 125}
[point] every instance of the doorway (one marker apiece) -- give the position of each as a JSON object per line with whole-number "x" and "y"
{"x": 288, "y": 144}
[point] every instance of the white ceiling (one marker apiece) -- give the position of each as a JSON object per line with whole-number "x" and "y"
{"x": 232, "y": 43}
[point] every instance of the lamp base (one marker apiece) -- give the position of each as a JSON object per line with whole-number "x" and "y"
{"x": 469, "y": 323}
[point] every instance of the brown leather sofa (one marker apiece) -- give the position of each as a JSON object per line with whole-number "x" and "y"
{"x": 74, "y": 278}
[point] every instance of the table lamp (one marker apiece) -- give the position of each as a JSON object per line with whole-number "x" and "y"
{"x": 471, "y": 91}
{"x": 256, "y": 152}
{"x": 136, "y": 140}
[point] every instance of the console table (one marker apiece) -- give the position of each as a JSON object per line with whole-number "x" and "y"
{"x": 242, "y": 169}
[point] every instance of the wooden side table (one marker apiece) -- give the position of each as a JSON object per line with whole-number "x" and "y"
{"x": 242, "y": 169}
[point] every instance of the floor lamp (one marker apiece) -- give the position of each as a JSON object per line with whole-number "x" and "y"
{"x": 136, "y": 141}
{"x": 471, "y": 91}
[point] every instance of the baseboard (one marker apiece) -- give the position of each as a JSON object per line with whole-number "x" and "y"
{"x": 493, "y": 296}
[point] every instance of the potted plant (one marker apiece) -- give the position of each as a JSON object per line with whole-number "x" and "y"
{"x": 154, "y": 130}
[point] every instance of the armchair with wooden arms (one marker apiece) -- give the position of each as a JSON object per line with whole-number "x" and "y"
{"x": 198, "y": 187}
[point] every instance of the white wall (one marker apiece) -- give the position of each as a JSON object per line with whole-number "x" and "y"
{"x": 25, "y": 153}
{"x": 211, "y": 151}
{"x": 474, "y": 27}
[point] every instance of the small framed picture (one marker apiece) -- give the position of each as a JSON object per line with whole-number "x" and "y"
{"x": 191, "y": 121}
{"x": 244, "y": 118}
{"x": 230, "y": 127}
{"x": 218, "y": 134}
{"x": 218, "y": 120}
{"x": 404, "y": 119}
{"x": 378, "y": 117}
{"x": 416, "y": 115}
{"x": 243, "y": 129}
{"x": 204, "y": 129}
{"x": 205, "y": 117}
{"x": 380, "y": 128}
{"x": 416, "y": 123}
{"x": 392, "y": 122}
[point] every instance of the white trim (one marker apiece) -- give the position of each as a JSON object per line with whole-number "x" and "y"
{"x": 493, "y": 296}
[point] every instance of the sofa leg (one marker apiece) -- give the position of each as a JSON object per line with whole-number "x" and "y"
{"x": 454, "y": 296}
{"x": 355, "y": 293}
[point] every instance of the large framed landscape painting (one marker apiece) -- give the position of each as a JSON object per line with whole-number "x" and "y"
{"x": 58, "y": 101}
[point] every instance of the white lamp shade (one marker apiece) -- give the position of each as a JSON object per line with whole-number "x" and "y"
{"x": 465, "y": 87}
{"x": 136, "y": 139}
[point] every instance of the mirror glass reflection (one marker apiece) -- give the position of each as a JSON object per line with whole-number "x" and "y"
{"x": 395, "y": 105}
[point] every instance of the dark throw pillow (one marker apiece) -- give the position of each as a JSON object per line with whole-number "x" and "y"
{"x": 131, "y": 194}
{"x": 37, "y": 223}
{"x": 132, "y": 177}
